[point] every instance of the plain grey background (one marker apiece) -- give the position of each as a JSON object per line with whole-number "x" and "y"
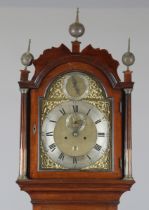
{"x": 107, "y": 28}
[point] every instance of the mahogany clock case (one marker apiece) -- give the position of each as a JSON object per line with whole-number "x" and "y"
{"x": 101, "y": 189}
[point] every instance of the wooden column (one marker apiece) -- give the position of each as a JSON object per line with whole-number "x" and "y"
{"x": 23, "y": 135}
{"x": 127, "y": 134}
{"x": 23, "y": 127}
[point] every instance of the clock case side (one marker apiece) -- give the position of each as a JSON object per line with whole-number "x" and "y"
{"x": 105, "y": 65}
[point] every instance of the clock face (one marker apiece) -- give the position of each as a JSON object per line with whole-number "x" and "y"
{"x": 75, "y": 125}
{"x": 75, "y": 134}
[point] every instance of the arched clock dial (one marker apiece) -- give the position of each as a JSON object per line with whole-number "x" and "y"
{"x": 75, "y": 134}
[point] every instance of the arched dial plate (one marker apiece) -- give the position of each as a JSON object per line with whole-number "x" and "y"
{"x": 75, "y": 134}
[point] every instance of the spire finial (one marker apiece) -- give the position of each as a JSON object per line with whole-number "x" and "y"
{"x": 27, "y": 58}
{"x": 128, "y": 58}
{"x": 129, "y": 44}
{"x": 76, "y": 29}
{"x": 29, "y": 45}
{"x": 77, "y": 16}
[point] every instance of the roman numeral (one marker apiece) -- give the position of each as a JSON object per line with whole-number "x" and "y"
{"x": 88, "y": 112}
{"x": 89, "y": 157}
{"x": 101, "y": 134}
{"x": 74, "y": 160}
{"x": 75, "y": 108}
{"x": 62, "y": 111}
{"x": 49, "y": 133}
{"x": 97, "y": 121}
{"x": 53, "y": 121}
{"x": 97, "y": 147}
{"x": 61, "y": 156}
{"x": 52, "y": 147}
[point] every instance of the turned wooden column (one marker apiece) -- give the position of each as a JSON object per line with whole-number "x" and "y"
{"x": 128, "y": 128}
{"x": 23, "y": 128}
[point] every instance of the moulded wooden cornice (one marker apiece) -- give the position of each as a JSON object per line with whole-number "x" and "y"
{"x": 53, "y": 57}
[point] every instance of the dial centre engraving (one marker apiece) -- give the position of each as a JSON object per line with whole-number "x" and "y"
{"x": 75, "y": 132}
{"x": 76, "y": 122}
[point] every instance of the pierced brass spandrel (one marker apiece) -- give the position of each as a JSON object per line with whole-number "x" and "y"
{"x": 104, "y": 163}
{"x": 55, "y": 90}
{"x": 46, "y": 162}
{"x": 95, "y": 90}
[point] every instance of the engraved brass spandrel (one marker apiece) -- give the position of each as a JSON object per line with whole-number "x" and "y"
{"x": 47, "y": 106}
{"x": 103, "y": 105}
{"x": 95, "y": 91}
{"x": 46, "y": 162}
{"x": 104, "y": 163}
{"x": 55, "y": 90}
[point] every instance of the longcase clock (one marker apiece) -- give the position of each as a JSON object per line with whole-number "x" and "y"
{"x": 75, "y": 142}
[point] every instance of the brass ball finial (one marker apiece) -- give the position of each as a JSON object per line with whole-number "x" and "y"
{"x": 76, "y": 29}
{"x": 128, "y": 58}
{"x": 27, "y": 58}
